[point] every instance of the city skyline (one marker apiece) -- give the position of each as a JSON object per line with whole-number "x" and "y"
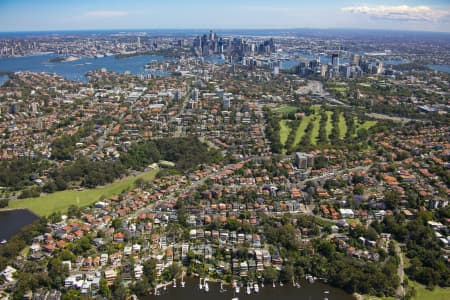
{"x": 415, "y": 15}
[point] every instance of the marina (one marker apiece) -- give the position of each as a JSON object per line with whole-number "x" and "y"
{"x": 204, "y": 288}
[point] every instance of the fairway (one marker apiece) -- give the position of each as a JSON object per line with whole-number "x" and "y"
{"x": 60, "y": 201}
{"x": 342, "y": 126}
{"x": 315, "y": 130}
{"x": 367, "y": 125}
{"x": 301, "y": 129}
{"x": 284, "y": 131}
{"x": 314, "y": 134}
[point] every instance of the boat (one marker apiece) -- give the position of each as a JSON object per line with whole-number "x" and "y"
{"x": 310, "y": 278}
{"x": 326, "y": 292}
{"x": 281, "y": 284}
{"x": 235, "y": 298}
{"x": 3, "y": 242}
{"x": 256, "y": 288}
{"x": 221, "y": 287}
{"x": 174, "y": 283}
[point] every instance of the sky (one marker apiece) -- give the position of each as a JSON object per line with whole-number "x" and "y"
{"x": 40, "y": 15}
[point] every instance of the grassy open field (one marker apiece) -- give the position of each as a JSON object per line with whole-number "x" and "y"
{"x": 284, "y": 131}
{"x": 315, "y": 129}
{"x": 301, "y": 129}
{"x": 60, "y": 201}
{"x": 423, "y": 293}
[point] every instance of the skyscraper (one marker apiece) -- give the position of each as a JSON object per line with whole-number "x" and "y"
{"x": 195, "y": 93}
{"x": 335, "y": 59}
{"x": 356, "y": 59}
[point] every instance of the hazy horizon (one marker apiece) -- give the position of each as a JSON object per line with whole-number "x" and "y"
{"x": 52, "y": 15}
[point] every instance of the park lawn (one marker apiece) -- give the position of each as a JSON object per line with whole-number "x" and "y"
{"x": 315, "y": 129}
{"x": 342, "y": 126}
{"x": 301, "y": 129}
{"x": 438, "y": 293}
{"x": 285, "y": 109}
{"x": 284, "y": 131}
{"x": 329, "y": 124}
{"x": 60, "y": 201}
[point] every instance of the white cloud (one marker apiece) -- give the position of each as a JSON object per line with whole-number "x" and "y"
{"x": 400, "y": 12}
{"x": 106, "y": 13}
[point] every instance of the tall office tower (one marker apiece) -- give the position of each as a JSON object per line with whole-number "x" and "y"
{"x": 323, "y": 70}
{"x": 335, "y": 59}
{"x": 379, "y": 67}
{"x": 356, "y": 59}
{"x": 335, "y": 62}
{"x": 212, "y": 35}
{"x": 195, "y": 93}
{"x": 138, "y": 44}
{"x": 177, "y": 95}
{"x": 226, "y": 102}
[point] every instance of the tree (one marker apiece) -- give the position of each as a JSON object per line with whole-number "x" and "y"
{"x": 104, "y": 288}
{"x": 149, "y": 268}
{"x": 270, "y": 274}
{"x": 358, "y": 190}
{"x": 72, "y": 295}
{"x": 287, "y": 273}
{"x": 119, "y": 291}
{"x": 4, "y": 203}
{"x": 141, "y": 287}
{"x": 391, "y": 199}
{"x": 73, "y": 211}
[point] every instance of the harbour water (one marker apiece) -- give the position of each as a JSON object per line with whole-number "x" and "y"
{"x": 76, "y": 69}
{"x": 307, "y": 291}
{"x": 441, "y": 68}
{"x": 11, "y": 221}
{"x": 3, "y": 79}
